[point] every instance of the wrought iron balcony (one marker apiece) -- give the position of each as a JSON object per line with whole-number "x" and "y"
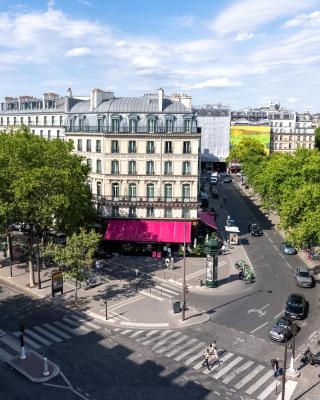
{"x": 130, "y": 200}
{"x": 140, "y": 129}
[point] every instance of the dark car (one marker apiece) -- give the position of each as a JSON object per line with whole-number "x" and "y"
{"x": 296, "y": 306}
{"x": 281, "y": 329}
{"x": 287, "y": 248}
{"x": 227, "y": 179}
{"x": 255, "y": 230}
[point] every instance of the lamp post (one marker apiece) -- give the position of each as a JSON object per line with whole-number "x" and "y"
{"x": 293, "y": 373}
{"x": 212, "y": 250}
{"x": 184, "y": 276}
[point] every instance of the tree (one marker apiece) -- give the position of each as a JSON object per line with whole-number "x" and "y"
{"x": 317, "y": 138}
{"x": 43, "y": 185}
{"x": 76, "y": 258}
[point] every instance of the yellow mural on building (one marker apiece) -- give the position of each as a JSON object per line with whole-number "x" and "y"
{"x": 260, "y": 133}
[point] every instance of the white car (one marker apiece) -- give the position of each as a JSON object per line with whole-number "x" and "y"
{"x": 239, "y": 174}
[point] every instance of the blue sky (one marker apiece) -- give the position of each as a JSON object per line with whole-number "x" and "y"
{"x": 235, "y": 52}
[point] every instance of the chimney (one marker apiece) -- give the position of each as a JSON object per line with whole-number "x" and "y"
{"x": 160, "y": 99}
{"x": 69, "y": 91}
{"x": 95, "y": 98}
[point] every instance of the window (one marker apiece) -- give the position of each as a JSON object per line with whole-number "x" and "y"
{"x": 33, "y": 131}
{"x": 304, "y": 138}
{"x": 89, "y": 183}
{"x": 79, "y": 147}
{"x": 298, "y": 137}
{"x": 21, "y": 120}
{"x": 52, "y": 120}
{"x": 187, "y": 125}
{"x": 132, "y": 191}
{"x": 14, "y": 120}
{"x": 49, "y": 134}
{"x": 29, "y": 121}
{"x": 80, "y": 124}
{"x": 98, "y": 146}
{"x": 150, "y": 192}
{"x": 99, "y": 189}
{"x": 37, "y": 120}
{"x": 114, "y": 167}
{"x": 45, "y": 121}
{"x": 168, "y": 192}
{"x": 132, "y": 146}
{"x": 115, "y": 191}
{"x": 132, "y": 125}
{"x": 186, "y": 192}
{"x": 8, "y": 121}
{"x": 169, "y": 125}
{"x": 186, "y": 168}
{"x": 100, "y": 124}
{"x": 41, "y": 133}
{"x": 290, "y": 138}
{"x": 88, "y": 144}
{"x": 310, "y": 145}
{"x": 186, "y": 147}
{"x": 290, "y": 123}
{"x": 150, "y": 168}
{"x": 168, "y": 147}
{"x": 185, "y": 213}
{"x": 150, "y": 212}
{"x": 114, "y": 146}
{"x": 289, "y": 146}
{"x": 168, "y": 168}
{"x": 132, "y": 211}
{"x": 151, "y": 125}
{"x": 89, "y": 163}
{"x": 115, "y": 123}
{"x": 150, "y": 147}
{"x": 115, "y": 211}
{"x": 132, "y": 168}
{"x": 58, "y": 134}
{"x": 168, "y": 212}
{"x": 61, "y": 120}
{"x": 98, "y": 165}
{"x": 280, "y": 124}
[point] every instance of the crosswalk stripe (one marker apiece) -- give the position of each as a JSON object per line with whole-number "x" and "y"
{"x": 227, "y": 368}
{"x": 76, "y": 324}
{"x": 75, "y": 331}
{"x": 162, "y": 334}
{"x": 57, "y": 331}
{"x": 137, "y": 333}
{"x": 218, "y": 362}
{"x": 250, "y": 376}
{"x": 290, "y": 388}
{"x": 268, "y": 390}
{"x": 85, "y": 322}
{"x": 171, "y": 345}
{"x": 126, "y": 331}
{"x": 260, "y": 382}
{"x": 187, "y": 352}
{"x": 199, "y": 365}
{"x": 148, "y": 334}
{"x": 116, "y": 329}
{"x": 163, "y": 341}
{"x": 11, "y": 342}
{"x": 48, "y": 334}
{"x": 179, "y": 348}
{"x": 4, "y": 355}
{"x": 39, "y": 338}
{"x": 237, "y": 371}
{"x": 194, "y": 357}
{"x": 167, "y": 290}
{"x": 27, "y": 340}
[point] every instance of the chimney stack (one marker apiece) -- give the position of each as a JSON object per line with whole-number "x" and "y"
{"x": 160, "y": 99}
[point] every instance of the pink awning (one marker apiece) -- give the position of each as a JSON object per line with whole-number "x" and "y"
{"x": 134, "y": 230}
{"x": 208, "y": 219}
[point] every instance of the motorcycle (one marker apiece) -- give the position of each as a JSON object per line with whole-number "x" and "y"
{"x": 309, "y": 358}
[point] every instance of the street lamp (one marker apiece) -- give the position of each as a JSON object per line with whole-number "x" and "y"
{"x": 184, "y": 286}
{"x": 212, "y": 250}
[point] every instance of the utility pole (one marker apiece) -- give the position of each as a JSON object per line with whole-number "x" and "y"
{"x": 184, "y": 275}
{"x": 285, "y": 361}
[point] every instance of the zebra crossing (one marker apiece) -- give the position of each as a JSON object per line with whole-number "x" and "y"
{"x": 44, "y": 335}
{"x": 162, "y": 291}
{"x": 245, "y": 375}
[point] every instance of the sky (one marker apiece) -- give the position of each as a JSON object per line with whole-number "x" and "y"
{"x": 240, "y": 53}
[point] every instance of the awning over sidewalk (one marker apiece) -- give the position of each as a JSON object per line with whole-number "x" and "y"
{"x": 134, "y": 230}
{"x": 208, "y": 219}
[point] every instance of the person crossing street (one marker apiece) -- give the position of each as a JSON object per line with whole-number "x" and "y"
{"x": 206, "y": 355}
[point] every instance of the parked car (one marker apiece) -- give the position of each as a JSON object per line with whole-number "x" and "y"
{"x": 296, "y": 306}
{"x": 58, "y": 238}
{"x": 227, "y": 179}
{"x": 287, "y": 248}
{"x": 281, "y": 329}
{"x": 255, "y": 230}
{"x": 302, "y": 277}
{"x": 214, "y": 180}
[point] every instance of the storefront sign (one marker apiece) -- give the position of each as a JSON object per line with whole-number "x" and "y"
{"x": 57, "y": 282}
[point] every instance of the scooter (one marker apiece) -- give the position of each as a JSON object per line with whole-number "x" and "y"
{"x": 309, "y": 358}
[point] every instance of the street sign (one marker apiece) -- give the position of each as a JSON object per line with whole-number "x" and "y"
{"x": 56, "y": 282}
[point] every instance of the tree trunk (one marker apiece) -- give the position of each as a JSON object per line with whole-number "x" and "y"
{"x": 31, "y": 272}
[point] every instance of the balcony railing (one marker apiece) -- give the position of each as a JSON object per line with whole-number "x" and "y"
{"x": 144, "y": 199}
{"x": 140, "y": 129}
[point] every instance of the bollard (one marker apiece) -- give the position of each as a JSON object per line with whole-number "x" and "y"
{"x": 45, "y": 367}
{"x": 276, "y": 387}
{"x": 161, "y": 292}
{"x": 23, "y": 355}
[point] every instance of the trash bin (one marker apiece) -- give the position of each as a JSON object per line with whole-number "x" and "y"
{"x": 176, "y": 307}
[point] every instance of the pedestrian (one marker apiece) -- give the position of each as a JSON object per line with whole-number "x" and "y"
{"x": 223, "y": 249}
{"x": 167, "y": 262}
{"x": 275, "y": 367}
{"x": 206, "y": 355}
{"x": 213, "y": 351}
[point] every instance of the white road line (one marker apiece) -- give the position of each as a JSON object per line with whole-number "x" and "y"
{"x": 27, "y": 340}
{"x": 162, "y": 334}
{"x": 57, "y": 331}
{"x": 125, "y": 302}
{"x": 75, "y": 331}
{"x": 187, "y": 352}
{"x": 290, "y": 388}
{"x": 278, "y": 315}
{"x": 260, "y": 382}
{"x": 282, "y": 256}
{"x": 150, "y": 333}
{"x": 179, "y": 348}
{"x": 171, "y": 345}
{"x": 76, "y": 324}
{"x": 48, "y": 334}
{"x": 194, "y": 357}
{"x": 259, "y": 327}
{"x": 37, "y": 337}
{"x": 268, "y": 390}
{"x": 275, "y": 247}
{"x": 126, "y": 331}
{"x": 163, "y": 341}
{"x": 86, "y": 323}
{"x": 227, "y": 367}
{"x": 287, "y": 263}
{"x": 218, "y": 362}
{"x": 237, "y": 372}
{"x": 146, "y": 325}
{"x": 134, "y": 334}
{"x": 11, "y": 342}
{"x": 250, "y": 376}
{"x": 4, "y": 355}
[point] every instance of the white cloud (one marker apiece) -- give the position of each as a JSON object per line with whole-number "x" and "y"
{"x": 145, "y": 62}
{"x": 85, "y": 3}
{"x": 244, "y": 36}
{"x": 293, "y": 99}
{"x": 78, "y": 52}
{"x": 216, "y": 83}
{"x": 248, "y": 14}
{"x": 304, "y": 19}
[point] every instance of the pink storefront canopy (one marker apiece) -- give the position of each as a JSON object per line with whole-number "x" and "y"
{"x": 208, "y": 219}
{"x": 148, "y": 231}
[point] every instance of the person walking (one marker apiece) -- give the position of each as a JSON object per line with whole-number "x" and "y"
{"x": 223, "y": 249}
{"x": 206, "y": 355}
{"x": 213, "y": 351}
{"x": 275, "y": 367}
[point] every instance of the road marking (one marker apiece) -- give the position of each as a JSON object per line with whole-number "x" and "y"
{"x": 173, "y": 344}
{"x": 162, "y": 334}
{"x": 286, "y": 262}
{"x": 276, "y": 248}
{"x": 227, "y": 367}
{"x": 218, "y": 362}
{"x": 187, "y": 352}
{"x": 260, "y": 382}
{"x": 237, "y": 371}
{"x": 86, "y": 323}
{"x": 145, "y": 325}
{"x": 250, "y": 376}
{"x": 75, "y": 331}
{"x": 37, "y": 337}
{"x": 268, "y": 390}
{"x": 48, "y": 334}
{"x": 194, "y": 357}
{"x": 282, "y": 256}
{"x": 278, "y": 315}
{"x": 134, "y": 334}
{"x": 4, "y": 355}
{"x": 163, "y": 341}
{"x": 179, "y": 348}
{"x": 259, "y": 310}
{"x": 126, "y": 331}
{"x": 2, "y": 333}
{"x": 11, "y": 342}
{"x": 125, "y": 302}
{"x": 259, "y": 327}
{"x": 58, "y": 331}
{"x": 290, "y": 388}
{"x": 76, "y": 324}
{"x": 27, "y": 340}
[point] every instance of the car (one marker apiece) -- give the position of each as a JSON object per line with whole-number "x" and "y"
{"x": 296, "y": 306}
{"x": 214, "y": 180}
{"x": 227, "y": 179}
{"x": 255, "y": 230}
{"x": 287, "y": 248}
{"x": 281, "y": 329}
{"x": 239, "y": 174}
{"x": 302, "y": 277}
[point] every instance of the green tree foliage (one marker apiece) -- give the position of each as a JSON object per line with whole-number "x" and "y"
{"x": 317, "y": 137}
